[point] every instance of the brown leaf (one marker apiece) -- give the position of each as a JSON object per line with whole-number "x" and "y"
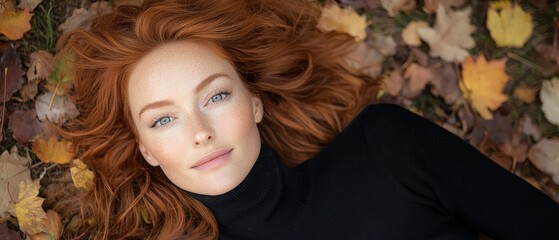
{"x": 445, "y": 82}
{"x": 394, "y": 83}
{"x": 430, "y": 6}
{"x": 13, "y": 24}
{"x": 529, "y": 128}
{"x": 29, "y": 5}
{"x": 13, "y": 170}
{"x": 128, "y": 2}
{"x": 394, "y": 7}
{"x": 82, "y": 18}
{"x": 7, "y": 5}
{"x": 10, "y": 66}
{"x": 42, "y": 64}
{"x": 417, "y": 77}
{"x": 544, "y": 155}
{"x": 517, "y": 151}
{"x": 24, "y": 125}
{"x": 60, "y": 111}
{"x": 525, "y": 94}
{"x": 8, "y": 234}
{"x": 366, "y": 4}
{"x": 29, "y": 91}
{"x": 365, "y": 59}
{"x": 53, "y": 226}
{"x": 494, "y": 131}
{"x": 52, "y": 150}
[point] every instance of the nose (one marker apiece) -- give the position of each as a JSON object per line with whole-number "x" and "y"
{"x": 202, "y": 130}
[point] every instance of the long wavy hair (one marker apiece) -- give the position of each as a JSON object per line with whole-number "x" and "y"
{"x": 308, "y": 90}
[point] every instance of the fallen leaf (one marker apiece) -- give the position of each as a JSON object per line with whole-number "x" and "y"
{"x": 53, "y": 226}
{"x": 514, "y": 148}
{"x": 13, "y": 24}
{"x": 24, "y": 125}
{"x": 393, "y": 84}
{"x": 483, "y": 83}
{"x": 82, "y": 18}
{"x": 445, "y": 82}
{"x": 499, "y": 4}
{"x": 511, "y": 27}
{"x": 365, "y": 59}
{"x": 8, "y": 234}
{"x": 53, "y": 151}
{"x": 450, "y": 36}
{"x": 145, "y": 215}
{"x": 29, "y": 5}
{"x": 13, "y": 170}
{"x": 549, "y": 96}
{"x": 494, "y": 131}
{"x": 10, "y": 72}
{"x": 417, "y": 78}
{"x": 544, "y": 155}
{"x": 61, "y": 77}
{"x": 344, "y": 20}
{"x": 128, "y": 2}
{"x": 366, "y": 4}
{"x": 7, "y": 5}
{"x": 60, "y": 111}
{"x": 525, "y": 94}
{"x": 409, "y": 34}
{"x": 550, "y": 52}
{"x": 529, "y": 128}
{"x": 29, "y": 91}
{"x": 81, "y": 175}
{"x": 27, "y": 209}
{"x": 394, "y": 7}
{"x": 384, "y": 44}
{"x": 430, "y": 6}
{"x": 42, "y": 65}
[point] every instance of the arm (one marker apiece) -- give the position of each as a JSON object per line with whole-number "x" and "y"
{"x": 462, "y": 180}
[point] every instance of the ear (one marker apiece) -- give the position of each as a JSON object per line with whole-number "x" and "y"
{"x": 257, "y": 108}
{"x": 147, "y": 156}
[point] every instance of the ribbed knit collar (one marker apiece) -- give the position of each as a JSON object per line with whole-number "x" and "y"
{"x": 269, "y": 203}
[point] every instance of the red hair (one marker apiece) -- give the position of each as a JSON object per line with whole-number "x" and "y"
{"x": 308, "y": 91}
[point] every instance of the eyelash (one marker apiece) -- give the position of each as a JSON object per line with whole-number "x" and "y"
{"x": 159, "y": 118}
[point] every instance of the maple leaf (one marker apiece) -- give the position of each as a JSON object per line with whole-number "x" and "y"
{"x": 511, "y": 27}
{"x": 417, "y": 77}
{"x": 409, "y": 34}
{"x": 52, "y": 150}
{"x": 7, "y": 5}
{"x": 13, "y": 170}
{"x": 544, "y": 155}
{"x": 450, "y": 36}
{"x": 482, "y": 84}
{"x": 60, "y": 110}
{"x": 24, "y": 125}
{"x": 81, "y": 175}
{"x": 345, "y": 20}
{"x": 394, "y": 7}
{"x": 13, "y": 24}
{"x": 430, "y": 6}
{"x": 42, "y": 64}
{"x": 27, "y": 209}
{"x": 10, "y": 72}
{"x": 549, "y": 96}
{"x": 53, "y": 226}
{"x": 29, "y": 5}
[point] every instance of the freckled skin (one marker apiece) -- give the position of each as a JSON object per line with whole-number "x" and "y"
{"x": 193, "y": 124}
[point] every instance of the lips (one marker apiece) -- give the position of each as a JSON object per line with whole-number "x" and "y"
{"x": 212, "y": 159}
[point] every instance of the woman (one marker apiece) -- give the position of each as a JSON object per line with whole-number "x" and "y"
{"x": 188, "y": 107}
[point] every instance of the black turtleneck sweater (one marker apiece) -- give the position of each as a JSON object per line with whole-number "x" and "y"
{"x": 390, "y": 174}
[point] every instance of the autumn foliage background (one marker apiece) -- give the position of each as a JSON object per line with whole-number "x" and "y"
{"x": 485, "y": 70}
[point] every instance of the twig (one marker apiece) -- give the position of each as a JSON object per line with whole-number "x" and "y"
{"x": 526, "y": 62}
{"x": 54, "y": 94}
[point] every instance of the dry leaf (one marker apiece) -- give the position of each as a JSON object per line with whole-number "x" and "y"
{"x": 430, "y": 6}
{"x": 394, "y": 7}
{"x": 24, "y": 125}
{"x": 53, "y": 226}
{"x": 445, "y": 82}
{"x": 409, "y": 34}
{"x": 13, "y": 170}
{"x": 82, "y": 18}
{"x": 394, "y": 83}
{"x": 13, "y": 24}
{"x": 27, "y": 209}
{"x": 483, "y": 83}
{"x": 128, "y": 2}
{"x": 525, "y": 94}
{"x": 417, "y": 77}
{"x": 384, "y": 44}
{"x": 10, "y": 68}
{"x": 450, "y": 37}
{"x": 60, "y": 111}
{"x": 7, "y": 5}
{"x": 52, "y": 150}
{"x": 549, "y": 96}
{"x": 81, "y": 175}
{"x": 367, "y": 4}
{"x": 529, "y": 128}
{"x": 544, "y": 155}
{"x": 29, "y": 5}
{"x": 365, "y": 59}
{"x": 42, "y": 64}
{"x": 511, "y": 27}
{"x": 345, "y": 20}
{"x": 6, "y": 233}
{"x": 29, "y": 91}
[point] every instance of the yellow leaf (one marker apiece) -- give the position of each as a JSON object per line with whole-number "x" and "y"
{"x": 409, "y": 34}
{"x": 525, "y": 94}
{"x": 511, "y": 27}
{"x": 81, "y": 175}
{"x": 145, "y": 215}
{"x": 28, "y": 211}
{"x": 482, "y": 84}
{"x": 53, "y": 226}
{"x": 14, "y": 24}
{"x": 499, "y": 4}
{"x": 52, "y": 150}
{"x": 13, "y": 170}
{"x": 345, "y": 20}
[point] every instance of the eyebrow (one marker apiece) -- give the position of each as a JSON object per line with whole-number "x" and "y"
{"x": 198, "y": 88}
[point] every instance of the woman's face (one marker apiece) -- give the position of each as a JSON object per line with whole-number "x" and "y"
{"x": 194, "y": 117}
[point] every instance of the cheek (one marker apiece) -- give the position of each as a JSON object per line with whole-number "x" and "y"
{"x": 166, "y": 149}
